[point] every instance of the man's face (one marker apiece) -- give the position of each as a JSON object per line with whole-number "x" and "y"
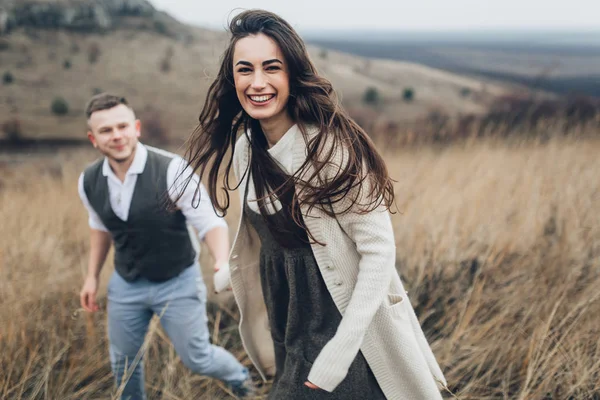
{"x": 114, "y": 132}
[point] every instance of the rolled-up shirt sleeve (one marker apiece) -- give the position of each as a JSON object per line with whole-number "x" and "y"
{"x": 93, "y": 219}
{"x": 195, "y": 204}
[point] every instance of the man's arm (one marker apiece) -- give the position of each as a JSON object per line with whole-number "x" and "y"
{"x": 198, "y": 210}
{"x": 100, "y": 242}
{"x": 217, "y": 241}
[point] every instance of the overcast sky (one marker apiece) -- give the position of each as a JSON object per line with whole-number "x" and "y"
{"x": 423, "y": 15}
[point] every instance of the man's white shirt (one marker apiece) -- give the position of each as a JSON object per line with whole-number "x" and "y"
{"x": 198, "y": 212}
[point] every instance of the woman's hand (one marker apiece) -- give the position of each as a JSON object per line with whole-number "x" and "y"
{"x": 312, "y": 386}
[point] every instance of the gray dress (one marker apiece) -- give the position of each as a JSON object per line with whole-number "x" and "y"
{"x": 302, "y": 314}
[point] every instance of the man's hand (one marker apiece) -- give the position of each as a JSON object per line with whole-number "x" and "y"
{"x": 100, "y": 242}
{"x": 221, "y": 277}
{"x": 88, "y": 294}
{"x": 220, "y": 264}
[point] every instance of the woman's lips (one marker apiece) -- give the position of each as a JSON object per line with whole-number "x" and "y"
{"x": 261, "y": 100}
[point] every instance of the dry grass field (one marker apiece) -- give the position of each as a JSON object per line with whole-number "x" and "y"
{"x": 498, "y": 245}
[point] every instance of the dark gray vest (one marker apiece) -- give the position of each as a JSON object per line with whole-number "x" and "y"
{"x": 154, "y": 242}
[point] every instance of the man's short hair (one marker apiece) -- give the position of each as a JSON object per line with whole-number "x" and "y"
{"x": 104, "y": 101}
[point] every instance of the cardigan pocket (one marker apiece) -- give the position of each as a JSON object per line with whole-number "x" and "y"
{"x": 397, "y": 306}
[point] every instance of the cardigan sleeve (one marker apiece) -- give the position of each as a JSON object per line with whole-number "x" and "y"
{"x": 372, "y": 232}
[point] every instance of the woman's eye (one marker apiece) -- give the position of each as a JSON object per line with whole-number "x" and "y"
{"x": 243, "y": 70}
{"x": 273, "y": 68}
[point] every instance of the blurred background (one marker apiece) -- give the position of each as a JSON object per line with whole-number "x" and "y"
{"x": 487, "y": 113}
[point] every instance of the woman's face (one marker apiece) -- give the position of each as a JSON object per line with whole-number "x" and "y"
{"x": 261, "y": 78}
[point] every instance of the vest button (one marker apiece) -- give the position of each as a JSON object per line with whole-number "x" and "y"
{"x": 338, "y": 282}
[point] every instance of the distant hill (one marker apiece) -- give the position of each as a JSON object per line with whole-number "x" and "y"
{"x": 71, "y": 49}
{"x": 560, "y": 62}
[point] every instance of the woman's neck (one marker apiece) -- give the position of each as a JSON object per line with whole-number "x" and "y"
{"x": 275, "y": 128}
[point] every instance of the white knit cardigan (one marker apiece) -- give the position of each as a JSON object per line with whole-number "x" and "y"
{"x": 358, "y": 266}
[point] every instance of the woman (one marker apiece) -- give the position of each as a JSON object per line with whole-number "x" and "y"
{"x": 313, "y": 263}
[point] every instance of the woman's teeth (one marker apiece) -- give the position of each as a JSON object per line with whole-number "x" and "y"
{"x": 261, "y": 99}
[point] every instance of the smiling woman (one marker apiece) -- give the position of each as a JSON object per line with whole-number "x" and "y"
{"x": 262, "y": 83}
{"x": 322, "y": 305}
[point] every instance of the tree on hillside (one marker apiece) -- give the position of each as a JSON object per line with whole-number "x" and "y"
{"x": 161, "y": 28}
{"x": 408, "y": 95}
{"x": 93, "y": 52}
{"x": 165, "y": 62}
{"x": 59, "y": 106}
{"x": 75, "y": 48}
{"x": 371, "y": 96}
{"x": 8, "y": 78}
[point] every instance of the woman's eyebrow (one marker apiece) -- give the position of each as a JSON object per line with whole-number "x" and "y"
{"x": 249, "y": 64}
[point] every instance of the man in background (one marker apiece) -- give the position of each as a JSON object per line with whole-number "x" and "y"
{"x": 127, "y": 194}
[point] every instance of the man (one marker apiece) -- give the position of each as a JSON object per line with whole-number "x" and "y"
{"x": 127, "y": 194}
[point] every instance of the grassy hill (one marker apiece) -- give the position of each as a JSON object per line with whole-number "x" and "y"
{"x": 165, "y": 67}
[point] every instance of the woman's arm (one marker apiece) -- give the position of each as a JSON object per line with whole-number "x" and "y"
{"x": 374, "y": 240}
{"x": 373, "y": 236}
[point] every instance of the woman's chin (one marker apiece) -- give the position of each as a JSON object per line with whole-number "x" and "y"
{"x": 261, "y": 115}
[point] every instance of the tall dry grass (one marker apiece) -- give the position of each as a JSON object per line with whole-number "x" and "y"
{"x": 498, "y": 246}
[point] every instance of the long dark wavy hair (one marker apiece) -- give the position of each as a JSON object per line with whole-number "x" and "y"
{"x": 312, "y": 102}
